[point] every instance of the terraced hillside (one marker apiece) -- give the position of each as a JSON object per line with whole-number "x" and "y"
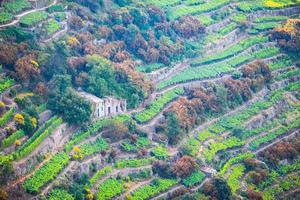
{"x": 212, "y": 90}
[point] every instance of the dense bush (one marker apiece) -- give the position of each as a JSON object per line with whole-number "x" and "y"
{"x": 65, "y": 101}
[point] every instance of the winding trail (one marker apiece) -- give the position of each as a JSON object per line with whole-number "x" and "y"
{"x": 18, "y": 17}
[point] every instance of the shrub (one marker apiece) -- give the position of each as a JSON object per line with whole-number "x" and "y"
{"x": 55, "y": 8}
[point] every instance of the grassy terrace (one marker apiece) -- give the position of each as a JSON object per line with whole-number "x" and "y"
{"x": 231, "y": 51}
{"x": 249, "y": 6}
{"x": 5, "y": 84}
{"x": 197, "y": 9}
{"x": 157, "y": 105}
{"x": 157, "y": 186}
{"x": 147, "y": 68}
{"x": 46, "y": 173}
{"x": 52, "y": 167}
{"x": 5, "y": 17}
{"x": 51, "y": 26}
{"x": 235, "y": 122}
{"x": 163, "y": 3}
{"x": 110, "y": 188}
{"x": 217, "y": 69}
{"x": 16, "y": 6}
{"x": 33, "y": 18}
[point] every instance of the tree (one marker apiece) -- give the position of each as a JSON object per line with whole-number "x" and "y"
{"x": 163, "y": 169}
{"x": 115, "y": 131}
{"x": 19, "y": 119}
{"x": 184, "y": 166}
{"x": 188, "y": 26}
{"x": 2, "y": 108}
{"x": 8, "y": 54}
{"x": 288, "y": 36}
{"x": 3, "y": 195}
{"x": 253, "y": 195}
{"x": 218, "y": 189}
{"x": 27, "y": 67}
{"x": 65, "y": 101}
{"x": 173, "y": 129}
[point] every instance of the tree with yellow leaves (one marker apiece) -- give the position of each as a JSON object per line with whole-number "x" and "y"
{"x": 77, "y": 154}
{"x": 17, "y": 142}
{"x": 2, "y": 107}
{"x": 33, "y": 121}
{"x": 19, "y": 119}
{"x": 73, "y": 42}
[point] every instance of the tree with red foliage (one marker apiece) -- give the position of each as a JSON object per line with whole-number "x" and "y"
{"x": 253, "y": 195}
{"x": 184, "y": 166}
{"x": 8, "y": 54}
{"x": 256, "y": 177}
{"x": 188, "y": 26}
{"x": 280, "y": 151}
{"x": 27, "y": 67}
{"x": 217, "y": 188}
{"x": 288, "y": 36}
{"x": 75, "y": 23}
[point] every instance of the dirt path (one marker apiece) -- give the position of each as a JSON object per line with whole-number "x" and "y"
{"x": 18, "y": 17}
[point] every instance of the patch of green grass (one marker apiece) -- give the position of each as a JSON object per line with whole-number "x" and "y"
{"x": 16, "y": 6}
{"x": 52, "y": 26}
{"x": 32, "y": 19}
{"x": 157, "y": 105}
{"x": 5, "y": 17}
